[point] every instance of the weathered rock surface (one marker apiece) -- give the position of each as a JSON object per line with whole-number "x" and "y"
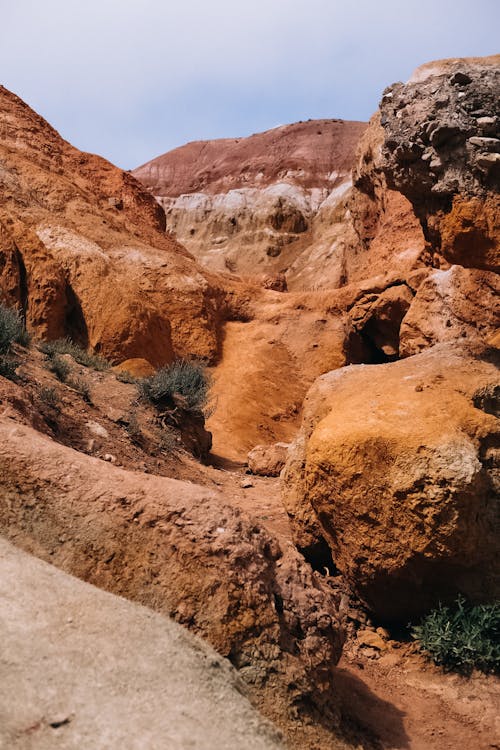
{"x": 452, "y": 305}
{"x": 267, "y": 460}
{"x": 137, "y": 367}
{"x": 267, "y": 365}
{"x": 89, "y": 259}
{"x": 176, "y": 547}
{"x": 83, "y": 668}
{"x": 442, "y": 151}
{"x": 388, "y": 240}
{"x": 397, "y": 467}
{"x": 269, "y": 203}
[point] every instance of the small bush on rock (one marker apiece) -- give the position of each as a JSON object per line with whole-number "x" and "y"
{"x": 125, "y": 377}
{"x": 167, "y": 440}
{"x": 79, "y": 354}
{"x": 8, "y": 367}
{"x": 60, "y": 368}
{"x": 183, "y": 378}
{"x": 49, "y": 396}
{"x": 82, "y": 387}
{"x": 12, "y": 329}
{"x": 132, "y": 426}
{"x": 463, "y": 637}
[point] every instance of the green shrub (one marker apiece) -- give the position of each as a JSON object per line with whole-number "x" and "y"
{"x": 12, "y": 329}
{"x": 49, "y": 396}
{"x": 60, "y": 368}
{"x": 185, "y": 378}
{"x": 79, "y": 354}
{"x": 463, "y": 637}
{"x": 8, "y": 367}
{"x": 133, "y": 427}
{"x": 81, "y": 387}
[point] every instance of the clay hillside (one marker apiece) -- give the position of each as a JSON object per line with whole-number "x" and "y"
{"x": 253, "y": 388}
{"x": 260, "y": 205}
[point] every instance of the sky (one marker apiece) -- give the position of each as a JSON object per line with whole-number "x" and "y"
{"x": 131, "y": 79}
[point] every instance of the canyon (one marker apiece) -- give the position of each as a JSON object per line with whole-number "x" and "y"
{"x": 339, "y": 282}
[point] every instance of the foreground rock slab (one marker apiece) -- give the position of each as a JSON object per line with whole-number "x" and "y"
{"x": 83, "y": 668}
{"x": 397, "y": 467}
{"x": 176, "y": 547}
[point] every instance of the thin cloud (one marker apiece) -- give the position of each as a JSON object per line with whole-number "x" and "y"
{"x": 131, "y": 79}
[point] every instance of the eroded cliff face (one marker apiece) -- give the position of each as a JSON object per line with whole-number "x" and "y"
{"x": 178, "y": 548}
{"x": 442, "y": 151}
{"x": 394, "y": 473}
{"x": 270, "y": 203}
{"x": 83, "y": 251}
{"x": 140, "y": 659}
{"x": 396, "y": 466}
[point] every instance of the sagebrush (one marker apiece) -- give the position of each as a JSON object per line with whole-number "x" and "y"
{"x": 82, "y": 387}
{"x": 462, "y": 637}
{"x": 12, "y": 329}
{"x": 186, "y": 378}
{"x": 60, "y": 368}
{"x": 79, "y": 354}
{"x": 49, "y": 396}
{"x": 8, "y": 367}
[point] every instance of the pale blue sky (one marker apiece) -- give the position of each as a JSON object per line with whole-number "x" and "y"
{"x": 131, "y": 79}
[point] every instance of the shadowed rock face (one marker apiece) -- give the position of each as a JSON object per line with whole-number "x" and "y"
{"x": 442, "y": 151}
{"x": 451, "y": 305}
{"x": 397, "y": 468}
{"x": 263, "y": 204}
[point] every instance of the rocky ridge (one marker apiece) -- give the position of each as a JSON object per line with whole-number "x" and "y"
{"x": 385, "y": 422}
{"x": 84, "y": 252}
{"x": 442, "y": 151}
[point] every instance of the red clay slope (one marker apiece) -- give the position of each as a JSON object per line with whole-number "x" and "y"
{"x": 312, "y": 150}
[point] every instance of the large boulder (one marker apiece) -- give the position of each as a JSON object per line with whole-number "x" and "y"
{"x": 267, "y": 460}
{"x": 397, "y": 468}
